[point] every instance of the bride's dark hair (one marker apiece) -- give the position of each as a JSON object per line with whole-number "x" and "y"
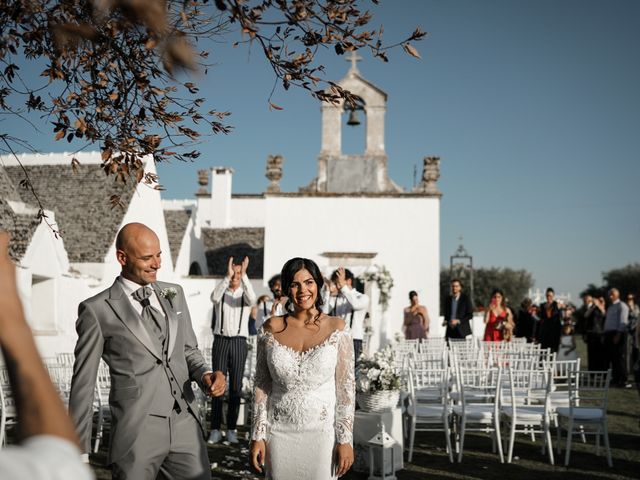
{"x": 293, "y": 266}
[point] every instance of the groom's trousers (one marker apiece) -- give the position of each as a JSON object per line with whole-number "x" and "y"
{"x": 170, "y": 448}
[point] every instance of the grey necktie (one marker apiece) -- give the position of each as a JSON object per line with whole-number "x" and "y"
{"x": 151, "y": 316}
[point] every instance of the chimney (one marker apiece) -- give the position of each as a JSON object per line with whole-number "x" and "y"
{"x": 221, "y": 197}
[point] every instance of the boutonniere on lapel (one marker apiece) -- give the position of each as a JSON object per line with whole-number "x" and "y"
{"x": 169, "y": 293}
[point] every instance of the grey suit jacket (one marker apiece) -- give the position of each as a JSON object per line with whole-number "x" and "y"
{"x": 108, "y": 327}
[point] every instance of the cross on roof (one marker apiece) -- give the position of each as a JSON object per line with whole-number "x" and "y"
{"x": 354, "y": 58}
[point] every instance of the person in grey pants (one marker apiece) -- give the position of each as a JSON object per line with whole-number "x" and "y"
{"x": 142, "y": 330}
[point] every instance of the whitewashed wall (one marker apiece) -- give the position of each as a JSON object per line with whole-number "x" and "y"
{"x": 247, "y": 211}
{"x": 403, "y": 231}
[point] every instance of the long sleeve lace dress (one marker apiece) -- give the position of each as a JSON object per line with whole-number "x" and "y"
{"x": 303, "y": 405}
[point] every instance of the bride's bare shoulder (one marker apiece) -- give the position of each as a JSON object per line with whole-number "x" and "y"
{"x": 335, "y": 323}
{"x": 273, "y": 324}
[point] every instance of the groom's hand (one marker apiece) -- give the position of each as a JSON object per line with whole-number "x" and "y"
{"x": 215, "y": 383}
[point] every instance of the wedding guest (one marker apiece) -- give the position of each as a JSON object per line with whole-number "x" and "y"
{"x": 268, "y": 307}
{"x": 304, "y": 386}
{"x": 458, "y": 312}
{"x": 348, "y": 304}
{"x": 232, "y": 300}
{"x": 636, "y": 365}
{"x": 615, "y": 330}
{"x": 582, "y": 312}
{"x": 593, "y": 336}
{"x": 141, "y": 328}
{"x": 416, "y": 319}
{"x": 525, "y": 321}
{"x": 259, "y": 310}
{"x": 498, "y": 319}
{"x": 634, "y": 314}
{"x": 567, "y": 348}
{"x": 550, "y": 324}
{"x": 49, "y": 446}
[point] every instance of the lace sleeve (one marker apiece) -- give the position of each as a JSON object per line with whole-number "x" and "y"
{"x": 261, "y": 390}
{"x": 345, "y": 389}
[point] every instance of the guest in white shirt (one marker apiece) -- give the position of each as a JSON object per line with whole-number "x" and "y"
{"x": 615, "y": 331}
{"x": 268, "y": 307}
{"x": 49, "y": 448}
{"x": 232, "y": 300}
{"x": 348, "y": 304}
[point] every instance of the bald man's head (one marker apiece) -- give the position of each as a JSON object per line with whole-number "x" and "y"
{"x": 138, "y": 252}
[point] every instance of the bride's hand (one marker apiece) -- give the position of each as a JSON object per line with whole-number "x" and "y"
{"x": 258, "y": 452}
{"x": 344, "y": 458}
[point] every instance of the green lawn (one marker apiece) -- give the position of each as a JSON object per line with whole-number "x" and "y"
{"x": 430, "y": 460}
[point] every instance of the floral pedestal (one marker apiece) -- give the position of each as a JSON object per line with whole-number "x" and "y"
{"x": 366, "y": 425}
{"x": 379, "y": 401}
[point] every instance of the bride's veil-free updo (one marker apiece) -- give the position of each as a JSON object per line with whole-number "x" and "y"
{"x": 293, "y": 266}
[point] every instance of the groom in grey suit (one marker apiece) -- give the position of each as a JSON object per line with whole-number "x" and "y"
{"x": 142, "y": 330}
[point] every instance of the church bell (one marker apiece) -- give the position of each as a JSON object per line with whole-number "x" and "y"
{"x": 353, "y": 118}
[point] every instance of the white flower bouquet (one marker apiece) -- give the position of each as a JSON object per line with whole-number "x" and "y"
{"x": 377, "y": 373}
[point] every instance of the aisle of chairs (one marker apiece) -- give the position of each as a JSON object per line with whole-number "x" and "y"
{"x": 502, "y": 389}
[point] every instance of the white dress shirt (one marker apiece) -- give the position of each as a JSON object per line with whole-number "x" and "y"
{"x": 43, "y": 457}
{"x": 228, "y": 305}
{"x": 351, "y": 306}
{"x": 264, "y": 312}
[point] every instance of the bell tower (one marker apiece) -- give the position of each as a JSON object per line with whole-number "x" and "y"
{"x": 364, "y": 172}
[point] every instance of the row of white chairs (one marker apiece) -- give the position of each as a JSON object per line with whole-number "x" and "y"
{"x": 528, "y": 399}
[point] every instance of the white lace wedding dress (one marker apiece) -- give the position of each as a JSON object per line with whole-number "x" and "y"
{"x": 303, "y": 405}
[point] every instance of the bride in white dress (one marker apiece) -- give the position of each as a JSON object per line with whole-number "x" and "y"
{"x": 303, "y": 405}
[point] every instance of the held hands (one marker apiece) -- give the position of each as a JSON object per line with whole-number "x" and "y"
{"x": 230, "y": 271}
{"x": 280, "y": 301}
{"x": 215, "y": 383}
{"x": 344, "y": 458}
{"x": 341, "y": 278}
{"x": 258, "y": 453}
{"x": 244, "y": 266}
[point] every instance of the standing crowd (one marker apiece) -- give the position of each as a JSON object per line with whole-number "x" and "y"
{"x": 609, "y": 328}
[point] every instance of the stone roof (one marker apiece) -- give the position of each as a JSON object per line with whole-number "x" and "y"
{"x": 7, "y": 187}
{"x": 21, "y": 227}
{"x": 81, "y": 205}
{"x": 222, "y": 243}
{"x": 176, "y": 222}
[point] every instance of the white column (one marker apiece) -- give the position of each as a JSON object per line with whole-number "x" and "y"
{"x": 221, "y": 197}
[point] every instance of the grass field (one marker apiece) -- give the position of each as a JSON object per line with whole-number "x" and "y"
{"x": 430, "y": 460}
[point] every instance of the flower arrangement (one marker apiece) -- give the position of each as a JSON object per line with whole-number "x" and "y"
{"x": 383, "y": 279}
{"x": 377, "y": 373}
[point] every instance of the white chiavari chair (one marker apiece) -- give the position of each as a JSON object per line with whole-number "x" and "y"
{"x": 101, "y": 402}
{"x": 517, "y": 412}
{"x": 587, "y": 410}
{"x": 8, "y": 411}
{"x": 428, "y": 408}
{"x": 479, "y": 406}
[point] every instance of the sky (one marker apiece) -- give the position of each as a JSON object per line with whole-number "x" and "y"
{"x": 532, "y": 105}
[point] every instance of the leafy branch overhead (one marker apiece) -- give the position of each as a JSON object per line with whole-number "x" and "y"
{"x": 109, "y": 65}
